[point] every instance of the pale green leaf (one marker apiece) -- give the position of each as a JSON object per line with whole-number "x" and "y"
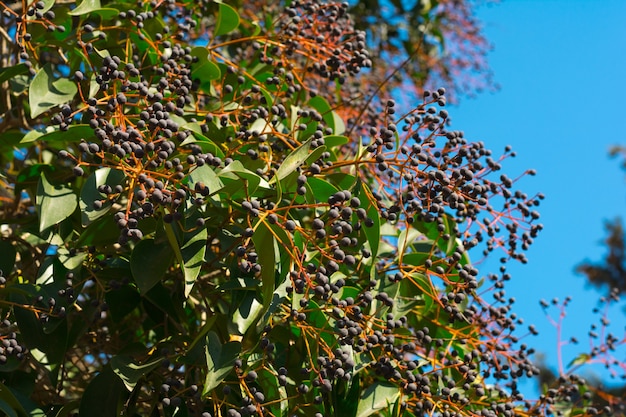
{"x": 45, "y": 92}
{"x": 55, "y": 203}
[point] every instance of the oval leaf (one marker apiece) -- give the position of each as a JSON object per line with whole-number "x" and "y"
{"x": 90, "y": 194}
{"x": 85, "y": 7}
{"x": 149, "y": 262}
{"x": 45, "y": 92}
{"x": 377, "y": 397}
{"x": 227, "y": 20}
{"x": 55, "y": 203}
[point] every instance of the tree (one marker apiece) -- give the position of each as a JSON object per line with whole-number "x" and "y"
{"x": 204, "y": 212}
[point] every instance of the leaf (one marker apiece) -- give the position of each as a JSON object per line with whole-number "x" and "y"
{"x": 149, "y": 262}
{"x": 55, "y": 203}
{"x": 45, "y": 92}
{"x": 579, "y": 360}
{"x": 73, "y": 134}
{"x": 377, "y": 397}
{"x": 192, "y": 251}
{"x": 10, "y": 402}
{"x": 264, "y": 242}
{"x": 206, "y": 175}
{"x": 129, "y": 372}
{"x": 227, "y": 20}
{"x": 204, "y": 69}
{"x": 8, "y": 255}
{"x": 85, "y": 7}
{"x": 220, "y": 360}
{"x": 10, "y": 72}
{"x": 246, "y": 314}
{"x": 198, "y": 138}
{"x": 122, "y": 301}
{"x": 371, "y": 232}
{"x": 89, "y": 193}
{"x": 239, "y": 181}
{"x": 103, "y": 231}
{"x": 292, "y": 161}
{"x": 103, "y": 396}
{"x": 321, "y": 189}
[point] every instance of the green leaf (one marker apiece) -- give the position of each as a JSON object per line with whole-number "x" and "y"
{"x": 292, "y": 161}
{"x": 122, "y": 301}
{"x": 321, "y": 189}
{"x": 103, "y": 231}
{"x": 239, "y": 181}
{"x": 89, "y": 193}
{"x": 198, "y": 138}
{"x": 85, "y": 7}
{"x": 10, "y": 404}
{"x": 8, "y": 255}
{"x": 10, "y": 72}
{"x": 579, "y": 360}
{"x": 149, "y": 262}
{"x": 246, "y": 314}
{"x": 264, "y": 242}
{"x": 204, "y": 69}
{"x": 103, "y": 396}
{"x": 73, "y": 134}
{"x": 7, "y": 409}
{"x": 55, "y": 203}
{"x": 371, "y": 232}
{"x": 376, "y": 397}
{"x": 129, "y": 372}
{"x": 192, "y": 251}
{"x": 207, "y": 176}
{"x": 220, "y": 359}
{"x": 45, "y": 92}
{"x": 227, "y": 20}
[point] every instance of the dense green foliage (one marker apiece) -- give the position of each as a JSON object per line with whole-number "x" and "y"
{"x": 205, "y": 212}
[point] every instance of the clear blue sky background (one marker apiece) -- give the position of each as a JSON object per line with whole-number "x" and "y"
{"x": 561, "y": 65}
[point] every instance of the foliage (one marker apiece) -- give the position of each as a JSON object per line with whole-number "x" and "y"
{"x": 199, "y": 218}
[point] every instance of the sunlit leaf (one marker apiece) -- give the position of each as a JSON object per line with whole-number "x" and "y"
{"x": 55, "y": 203}
{"x": 46, "y": 92}
{"x": 227, "y": 20}
{"x": 376, "y": 397}
{"x": 85, "y": 7}
{"x": 130, "y": 372}
{"x": 220, "y": 358}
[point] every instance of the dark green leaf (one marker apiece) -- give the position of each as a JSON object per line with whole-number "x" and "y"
{"x": 55, "y": 203}
{"x": 10, "y": 72}
{"x": 7, "y": 257}
{"x": 149, "y": 262}
{"x": 45, "y": 92}
{"x": 74, "y": 133}
{"x": 227, "y": 20}
{"x": 103, "y": 396}
{"x": 103, "y": 231}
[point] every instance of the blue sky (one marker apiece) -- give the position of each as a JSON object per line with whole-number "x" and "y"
{"x": 561, "y": 65}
